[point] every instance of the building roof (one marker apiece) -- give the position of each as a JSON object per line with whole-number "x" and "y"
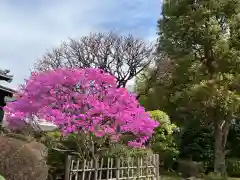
{"x": 5, "y": 76}
{"x": 6, "y": 89}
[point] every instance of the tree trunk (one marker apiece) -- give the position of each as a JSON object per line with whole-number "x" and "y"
{"x": 221, "y": 132}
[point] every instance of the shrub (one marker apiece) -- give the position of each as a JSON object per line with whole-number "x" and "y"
{"x": 163, "y": 141}
{"x": 21, "y": 159}
{"x": 188, "y": 168}
{"x": 233, "y": 167}
{"x": 85, "y": 101}
{"x": 196, "y": 143}
{"x": 233, "y": 142}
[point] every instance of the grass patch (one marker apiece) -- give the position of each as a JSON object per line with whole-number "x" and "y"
{"x": 174, "y": 176}
{"x": 167, "y": 177}
{"x": 170, "y": 176}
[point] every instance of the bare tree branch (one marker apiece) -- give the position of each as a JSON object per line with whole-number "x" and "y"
{"x": 122, "y": 56}
{"x": 160, "y": 74}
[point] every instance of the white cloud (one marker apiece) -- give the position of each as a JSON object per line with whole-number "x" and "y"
{"x": 27, "y": 30}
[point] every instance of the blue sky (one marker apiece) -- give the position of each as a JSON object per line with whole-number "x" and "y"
{"x": 29, "y": 28}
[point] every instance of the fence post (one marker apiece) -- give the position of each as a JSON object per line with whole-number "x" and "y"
{"x": 138, "y": 168}
{"x": 95, "y": 168}
{"x": 67, "y": 168}
{"x": 157, "y": 166}
{"x": 117, "y": 168}
{"x": 128, "y": 168}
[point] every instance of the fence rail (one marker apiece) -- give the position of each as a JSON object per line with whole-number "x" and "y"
{"x": 117, "y": 168}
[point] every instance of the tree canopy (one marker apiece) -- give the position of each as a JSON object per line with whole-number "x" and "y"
{"x": 201, "y": 38}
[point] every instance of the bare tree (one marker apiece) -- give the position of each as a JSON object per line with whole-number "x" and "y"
{"x": 160, "y": 73}
{"x": 122, "y": 56}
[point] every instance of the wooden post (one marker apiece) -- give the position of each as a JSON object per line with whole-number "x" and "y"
{"x": 157, "y": 166}
{"x": 101, "y": 168}
{"x": 128, "y": 165}
{"x": 138, "y": 168}
{"x": 68, "y": 168}
{"x": 108, "y": 165}
{"x": 147, "y": 165}
{"x": 95, "y": 168}
{"x": 92, "y": 169}
{"x": 117, "y": 168}
{"x": 111, "y": 166}
{"x": 83, "y": 170}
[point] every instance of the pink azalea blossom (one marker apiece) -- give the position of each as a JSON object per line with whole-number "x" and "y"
{"x": 82, "y": 100}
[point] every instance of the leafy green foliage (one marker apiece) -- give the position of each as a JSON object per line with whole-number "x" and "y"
{"x": 196, "y": 35}
{"x": 233, "y": 167}
{"x": 202, "y": 38}
{"x": 233, "y": 145}
{"x": 166, "y": 128}
{"x": 197, "y": 144}
{"x": 163, "y": 142}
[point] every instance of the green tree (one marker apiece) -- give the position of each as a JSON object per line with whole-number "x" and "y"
{"x": 204, "y": 35}
{"x": 168, "y": 78}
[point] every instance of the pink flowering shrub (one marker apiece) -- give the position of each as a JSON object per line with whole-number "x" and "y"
{"x": 82, "y": 100}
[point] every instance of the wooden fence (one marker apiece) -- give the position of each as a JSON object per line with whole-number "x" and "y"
{"x": 144, "y": 168}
